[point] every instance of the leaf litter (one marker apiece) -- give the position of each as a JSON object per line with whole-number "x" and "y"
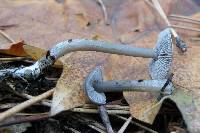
{"x": 87, "y": 21}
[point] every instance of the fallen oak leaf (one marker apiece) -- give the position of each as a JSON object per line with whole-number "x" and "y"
{"x": 36, "y": 53}
{"x": 22, "y": 49}
{"x": 187, "y": 97}
{"x": 187, "y": 105}
{"x": 15, "y": 49}
{"x": 68, "y": 91}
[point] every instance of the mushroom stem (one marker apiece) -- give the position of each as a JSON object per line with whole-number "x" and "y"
{"x": 65, "y": 47}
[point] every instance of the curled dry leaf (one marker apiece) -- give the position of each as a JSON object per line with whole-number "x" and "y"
{"x": 14, "y": 49}
{"x": 22, "y": 49}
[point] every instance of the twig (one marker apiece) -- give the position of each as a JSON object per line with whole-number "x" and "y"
{"x": 185, "y": 28}
{"x": 96, "y": 128}
{"x": 7, "y": 37}
{"x": 184, "y": 17}
{"x": 24, "y": 105}
{"x": 82, "y": 110}
{"x": 163, "y": 15}
{"x": 160, "y": 11}
{"x": 23, "y": 119}
{"x": 45, "y": 103}
{"x": 179, "y": 43}
{"x": 150, "y": 4}
{"x": 108, "y": 106}
{"x": 30, "y": 114}
{"x": 48, "y": 104}
{"x": 104, "y": 11}
{"x": 195, "y": 39}
{"x": 72, "y": 130}
{"x": 137, "y": 124}
{"x": 7, "y": 105}
{"x": 123, "y": 128}
{"x": 91, "y": 123}
{"x": 14, "y": 59}
{"x": 3, "y": 27}
{"x": 184, "y": 20}
{"x": 11, "y": 105}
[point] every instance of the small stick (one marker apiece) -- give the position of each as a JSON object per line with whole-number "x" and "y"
{"x": 14, "y": 59}
{"x": 3, "y": 27}
{"x": 183, "y": 17}
{"x": 179, "y": 43}
{"x": 7, "y": 37}
{"x": 19, "y": 120}
{"x": 137, "y": 124}
{"x": 72, "y": 130}
{"x": 161, "y": 12}
{"x": 184, "y": 20}
{"x": 115, "y": 111}
{"x": 104, "y": 11}
{"x": 24, "y": 95}
{"x": 150, "y": 4}
{"x": 195, "y": 39}
{"x": 108, "y": 106}
{"x": 96, "y": 128}
{"x": 123, "y": 128}
{"x": 185, "y": 28}
{"x": 48, "y": 104}
{"x": 91, "y": 123}
{"x": 7, "y": 105}
{"x": 24, "y": 105}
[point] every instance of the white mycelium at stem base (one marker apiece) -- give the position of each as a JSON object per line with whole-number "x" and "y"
{"x": 35, "y": 70}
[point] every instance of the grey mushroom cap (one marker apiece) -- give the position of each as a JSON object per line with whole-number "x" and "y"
{"x": 94, "y": 96}
{"x": 159, "y": 68}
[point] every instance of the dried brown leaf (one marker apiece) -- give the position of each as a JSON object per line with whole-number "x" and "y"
{"x": 36, "y": 53}
{"x": 15, "y": 49}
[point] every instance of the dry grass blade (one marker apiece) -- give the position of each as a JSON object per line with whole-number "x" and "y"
{"x": 24, "y": 95}
{"x": 73, "y": 130}
{"x": 111, "y": 109}
{"x": 123, "y": 128}
{"x": 163, "y": 15}
{"x": 184, "y": 17}
{"x": 137, "y": 124}
{"x": 45, "y": 103}
{"x": 24, "y": 105}
{"x": 185, "y": 28}
{"x": 24, "y": 119}
{"x": 7, "y": 36}
{"x": 179, "y": 42}
{"x": 91, "y": 123}
{"x": 104, "y": 11}
{"x": 195, "y": 39}
{"x": 161, "y": 12}
{"x": 150, "y": 4}
{"x": 184, "y": 20}
{"x": 14, "y": 59}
